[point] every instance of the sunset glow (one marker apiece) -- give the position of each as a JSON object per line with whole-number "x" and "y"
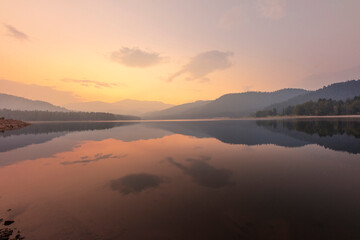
{"x": 174, "y": 51}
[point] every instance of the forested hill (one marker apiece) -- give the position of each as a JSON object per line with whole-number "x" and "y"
{"x": 228, "y": 105}
{"x": 322, "y": 107}
{"x": 336, "y": 91}
{"x": 62, "y": 116}
{"x": 19, "y": 103}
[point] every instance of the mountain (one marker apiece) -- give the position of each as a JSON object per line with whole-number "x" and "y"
{"x": 242, "y": 104}
{"x": 178, "y": 111}
{"x": 229, "y": 105}
{"x": 20, "y": 103}
{"x": 127, "y": 106}
{"x": 336, "y": 91}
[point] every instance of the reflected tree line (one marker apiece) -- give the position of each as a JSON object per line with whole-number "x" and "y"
{"x": 51, "y": 127}
{"x": 323, "y": 107}
{"x": 322, "y": 128}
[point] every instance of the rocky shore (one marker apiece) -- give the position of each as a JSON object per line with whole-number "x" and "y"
{"x": 10, "y": 124}
{"x": 8, "y": 231}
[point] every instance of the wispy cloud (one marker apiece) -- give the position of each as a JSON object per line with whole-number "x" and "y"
{"x": 203, "y": 64}
{"x": 135, "y": 57}
{"x": 233, "y": 18}
{"x": 272, "y": 9}
{"x": 90, "y": 83}
{"x": 15, "y": 33}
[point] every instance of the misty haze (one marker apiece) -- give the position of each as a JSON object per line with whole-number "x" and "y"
{"x": 208, "y": 119}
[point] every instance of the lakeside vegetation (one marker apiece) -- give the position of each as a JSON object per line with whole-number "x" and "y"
{"x": 322, "y": 107}
{"x": 62, "y": 116}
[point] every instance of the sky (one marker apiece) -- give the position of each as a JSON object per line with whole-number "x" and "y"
{"x": 174, "y": 51}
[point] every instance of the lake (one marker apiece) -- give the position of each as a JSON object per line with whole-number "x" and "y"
{"x": 226, "y": 179}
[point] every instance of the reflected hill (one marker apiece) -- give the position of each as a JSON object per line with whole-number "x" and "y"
{"x": 42, "y": 140}
{"x": 245, "y": 132}
{"x": 335, "y": 134}
{"x": 338, "y": 135}
{"x": 43, "y": 132}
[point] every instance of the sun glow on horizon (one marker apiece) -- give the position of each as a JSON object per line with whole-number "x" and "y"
{"x": 96, "y": 51}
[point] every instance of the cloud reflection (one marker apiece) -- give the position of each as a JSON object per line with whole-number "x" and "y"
{"x": 97, "y": 157}
{"x": 205, "y": 174}
{"x": 135, "y": 183}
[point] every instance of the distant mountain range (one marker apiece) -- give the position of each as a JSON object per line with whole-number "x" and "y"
{"x": 124, "y": 107}
{"x": 229, "y": 105}
{"x": 179, "y": 111}
{"x": 127, "y": 106}
{"x": 20, "y": 103}
{"x": 246, "y": 104}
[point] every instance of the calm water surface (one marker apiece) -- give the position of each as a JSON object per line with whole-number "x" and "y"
{"x": 281, "y": 179}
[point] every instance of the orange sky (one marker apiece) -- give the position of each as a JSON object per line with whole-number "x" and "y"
{"x": 114, "y": 50}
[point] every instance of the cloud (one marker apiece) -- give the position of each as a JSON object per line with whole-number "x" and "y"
{"x": 135, "y": 57}
{"x": 233, "y": 18}
{"x": 90, "y": 83}
{"x": 37, "y": 92}
{"x": 15, "y": 33}
{"x": 203, "y": 64}
{"x": 203, "y": 173}
{"x": 272, "y": 9}
{"x": 135, "y": 183}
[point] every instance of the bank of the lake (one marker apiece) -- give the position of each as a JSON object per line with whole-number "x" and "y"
{"x": 11, "y": 124}
{"x": 308, "y": 117}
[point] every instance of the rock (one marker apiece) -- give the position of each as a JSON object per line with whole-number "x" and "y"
{"x": 5, "y": 233}
{"x": 8, "y": 222}
{"x": 18, "y": 236}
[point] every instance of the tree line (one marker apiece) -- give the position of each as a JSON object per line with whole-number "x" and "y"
{"x": 322, "y": 107}
{"x": 62, "y": 116}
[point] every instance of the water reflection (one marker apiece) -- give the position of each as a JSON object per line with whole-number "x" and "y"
{"x": 322, "y": 128}
{"x": 185, "y": 180}
{"x": 95, "y": 158}
{"x": 38, "y": 133}
{"x": 42, "y": 140}
{"x": 135, "y": 183}
{"x": 338, "y": 135}
{"x": 203, "y": 173}
{"x": 341, "y": 135}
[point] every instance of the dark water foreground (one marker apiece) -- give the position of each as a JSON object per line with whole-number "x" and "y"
{"x": 281, "y": 179}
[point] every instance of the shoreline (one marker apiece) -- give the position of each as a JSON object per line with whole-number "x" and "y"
{"x": 11, "y": 124}
{"x": 8, "y": 229}
{"x": 309, "y": 117}
{"x": 212, "y": 119}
